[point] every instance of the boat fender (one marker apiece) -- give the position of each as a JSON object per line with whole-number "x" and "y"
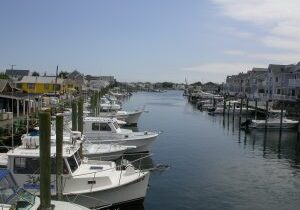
{"x": 126, "y": 136}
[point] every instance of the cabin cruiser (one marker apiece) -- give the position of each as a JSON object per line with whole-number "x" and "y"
{"x": 130, "y": 117}
{"x": 91, "y": 183}
{"x": 90, "y": 150}
{"x": 273, "y": 122}
{"x": 107, "y": 130}
{"x": 107, "y": 105}
{"x": 12, "y": 197}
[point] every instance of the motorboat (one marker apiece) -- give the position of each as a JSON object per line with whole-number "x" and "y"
{"x": 12, "y": 197}
{"x": 107, "y": 105}
{"x": 108, "y": 131}
{"x": 90, "y": 150}
{"x": 273, "y": 122}
{"x": 130, "y": 117}
{"x": 232, "y": 108}
{"x": 91, "y": 183}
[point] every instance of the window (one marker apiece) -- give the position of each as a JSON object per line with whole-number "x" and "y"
{"x": 276, "y": 79}
{"x": 278, "y": 91}
{"x": 26, "y": 165}
{"x": 104, "y": 127}
{"x": 72, "y": 163}
{"x": 95, "y": 126}
{"x": 293, "y": 92}
{"x": 116, "y": 125}
{"x": 46, "y": 86}
{"x": 31, "y": 86}
{"x": 77, "y": 156}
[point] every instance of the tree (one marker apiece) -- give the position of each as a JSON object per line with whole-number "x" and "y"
{"x": 63, "y": 74}
{"x": 35, "y": 74}
{"x": 3, "y": 76}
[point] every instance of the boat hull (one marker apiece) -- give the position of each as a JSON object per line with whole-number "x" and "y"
{"x": 140, "y": 144}
{"x": 131, "y": 192}
{"x": 273, "y": 125}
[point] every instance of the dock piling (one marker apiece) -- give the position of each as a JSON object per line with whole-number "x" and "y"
{"x": 281, "y": 115}
{"x": 247, "y": 108}
{"x": 255, "y": 109}
{"x": 59, "y": 155}
{"x": 267, "y": 114}
{"x": 45, "y": 161}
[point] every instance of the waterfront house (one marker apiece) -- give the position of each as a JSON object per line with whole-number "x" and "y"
{"x": 41, "y": 85}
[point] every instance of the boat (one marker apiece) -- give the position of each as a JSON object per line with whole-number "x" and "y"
{"x": 108, "y": 131}
{"x": 90, "y": 150}
{"x": 12, "y": 197}
{"x": 90, "y": 183}
{"x": 273, "y": 122}
{"x": 130, "y": 117}
{"x": 107, "y": 105}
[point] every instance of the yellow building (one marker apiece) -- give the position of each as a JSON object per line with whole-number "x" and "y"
{"x": 40, "y": 85}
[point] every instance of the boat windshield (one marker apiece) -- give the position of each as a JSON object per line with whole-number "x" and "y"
{"x": 77, "y": 156}
{"x": 72, "y": 163}
{"x": 116, "y": 125}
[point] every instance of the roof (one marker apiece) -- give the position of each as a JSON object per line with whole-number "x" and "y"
{"x": 3, "y": 83}
{"x": 100, "y": 119}
{"x": 280, "y": 68}
{"x": 3, "y": 173}
{"x": 45, "y": 80}
{"x": 13, "y": 72}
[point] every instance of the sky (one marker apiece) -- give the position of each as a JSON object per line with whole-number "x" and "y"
{"x": 149, "y": 40}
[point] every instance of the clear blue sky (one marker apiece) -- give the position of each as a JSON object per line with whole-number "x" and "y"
{"x": 154, "y": 40}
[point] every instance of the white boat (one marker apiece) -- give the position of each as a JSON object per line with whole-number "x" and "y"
{"x": 273, "y": 123}
{"x": 130, "y": 117}
{"x": 107, "y": 130}
{"x": 13, "y": 197}
{"x": 107, "y": 106}
{"x": 90, "y": 150}
{"x": 90, "y": 183}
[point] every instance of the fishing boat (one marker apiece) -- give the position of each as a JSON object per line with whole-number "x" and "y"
{"x": 12, "y": 197}
{"x": 130, "y": 117}
{"x": 90, "y": 150}
{"x": 107, "y": 105}
{"x": 91, "y": 183}
{"x": 107, "y": 130}
{"x": 273, "y": 122}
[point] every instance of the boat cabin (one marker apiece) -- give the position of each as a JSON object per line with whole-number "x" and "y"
{"x": 98, "y": 124}
{"x": 24, "y": 164}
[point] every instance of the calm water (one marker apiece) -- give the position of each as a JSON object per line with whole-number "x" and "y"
{"x": 213, "y": 164}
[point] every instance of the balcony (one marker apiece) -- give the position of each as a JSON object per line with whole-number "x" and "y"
{"x": 283, "y": 97}
{"x": 294, "y": 82}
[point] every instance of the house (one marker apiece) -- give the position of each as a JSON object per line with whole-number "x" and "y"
{"x": 5, "y": 86}
{"x": 75, "y": 80}
{"x": 41, "y": 85}
{"x": 16, "y": 74}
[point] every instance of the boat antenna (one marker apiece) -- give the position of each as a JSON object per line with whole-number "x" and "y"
{"x": 27, "y": 120}
{"x": 12, "y": 119}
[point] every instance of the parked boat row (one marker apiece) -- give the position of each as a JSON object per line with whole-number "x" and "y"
{"x": 91, "y": 177}
{"x": 215, "y": 105}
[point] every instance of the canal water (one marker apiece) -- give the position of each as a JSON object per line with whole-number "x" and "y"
{"x": 214, "y": 165}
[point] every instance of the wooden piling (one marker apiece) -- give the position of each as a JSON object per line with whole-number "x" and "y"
{"x": 281, "y": 115}
{"x": 255, "y": 109}
{"x": 224, "y": 106}
{"x": 45, "y": 161}
{"x": 247, "y": 108}
{"x": 228, "y": 108}
{"x": 233, "y": 109}
{"x": 59, "y": 155}
{"x": 267, "y": 114}
{"x": 240, "y": 116}
{"x": 80, "y": 115}
{"x": 74, "y": 116}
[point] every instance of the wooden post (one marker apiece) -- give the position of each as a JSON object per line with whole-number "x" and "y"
{"x": 80, "y": 115}
{"x": 267, "y": 113}
{"x": 224, "y": 107}
{"x": 281, "y": 115}
{"x": 233, "y": 109}
{"x": 80, "y": 122}
{"x": 18, "y": 108}
{"x": 45, "y": 161}
{"x": 255, "y": 109}
{"x": 228, "y": 108}
{"x": 247, "y": 104}
{"x": 240, "y": 116}
{"x": 59, "y": 155}
{"x": 74, "y": 116}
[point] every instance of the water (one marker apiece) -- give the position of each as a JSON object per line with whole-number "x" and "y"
{"x": 214, "y": 165}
